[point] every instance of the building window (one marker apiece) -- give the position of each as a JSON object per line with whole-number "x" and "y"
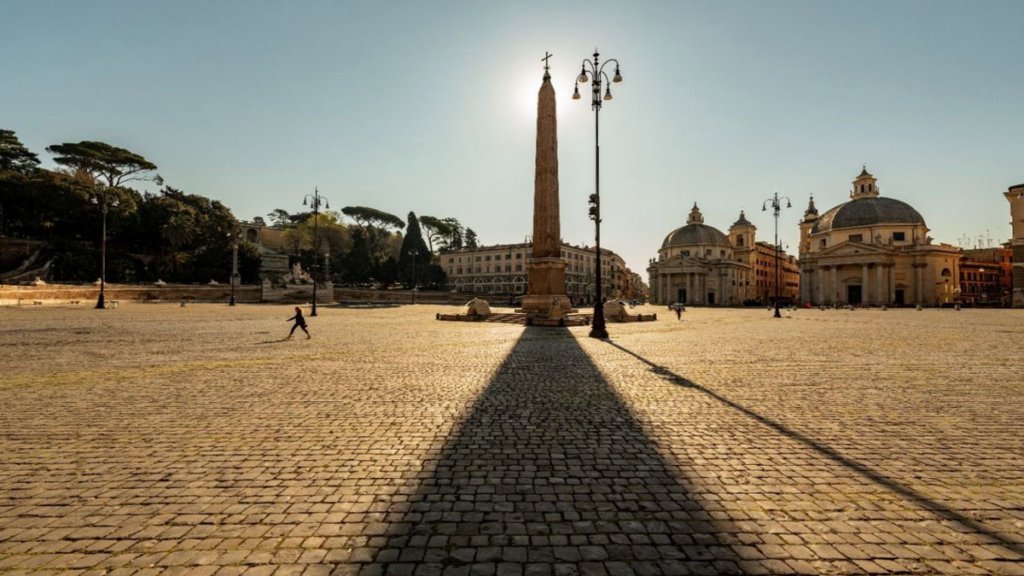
{"x": 899, "y": 236}
{"x": 856, "y": 237}
{"x": 739, "y": 240}
{"x": 824, "y": 242}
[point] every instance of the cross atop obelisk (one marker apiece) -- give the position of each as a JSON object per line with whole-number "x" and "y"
{"x": 547, "y": 55}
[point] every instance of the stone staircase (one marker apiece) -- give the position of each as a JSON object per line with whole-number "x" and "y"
{"x": 508, "y": 318}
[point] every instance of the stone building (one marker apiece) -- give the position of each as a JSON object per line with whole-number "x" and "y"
{"x": 762, "y": 258}
{"x": 500, "y": 271}
{"x": 698, "y": 264}
{"x": 1015, "y": 196}
{"x": 873, "y": 250}
{"x": 986, "y": 276}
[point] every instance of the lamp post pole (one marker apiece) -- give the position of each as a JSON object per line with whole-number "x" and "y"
{"x": 314, "y": 201}
{"x": 775, "y": 203}
{"x": 101, "y": 199}
{"x": 234, "y": 264}
{"x": 414, "y": 253}
{"x": 593, "y": 70}
{"x": 1, "y": 243}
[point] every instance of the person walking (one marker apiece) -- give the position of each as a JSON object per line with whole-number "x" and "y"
{"x": 679, "y": 312}
{"x": 300, "y": 322}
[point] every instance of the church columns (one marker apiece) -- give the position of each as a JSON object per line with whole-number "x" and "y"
{"x": 880, "y": 296}
{"x": 806, "y": 284}
{"x": 919, "y": 283}
{"x": 834, "y": 285}
{"x": 864, "y": 284}
{"x": 821, "y": 286}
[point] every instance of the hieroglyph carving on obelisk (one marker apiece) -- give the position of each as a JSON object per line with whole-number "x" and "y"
{"x": 546, "y": 281}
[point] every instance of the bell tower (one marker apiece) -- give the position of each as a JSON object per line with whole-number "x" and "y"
{"x": 865, "y": 186}
{"x": 810, "y": 217}
{"x": 1015, "y": 196}
{"x": 742, "y": 233}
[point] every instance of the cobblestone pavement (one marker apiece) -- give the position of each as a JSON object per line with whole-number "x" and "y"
{"x": 155, "y": 439}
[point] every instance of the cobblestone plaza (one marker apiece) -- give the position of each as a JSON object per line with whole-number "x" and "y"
{"x": 156, "y": 439}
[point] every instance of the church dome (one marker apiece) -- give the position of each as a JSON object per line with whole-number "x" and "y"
{"x": 867, "y": 211}
{"x": 694, "y": 234}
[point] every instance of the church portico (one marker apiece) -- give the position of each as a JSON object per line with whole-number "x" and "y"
{"x": 697, "y": 266}
{"x": 874, "y": 251}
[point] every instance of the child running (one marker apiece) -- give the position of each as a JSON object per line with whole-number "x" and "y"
{"x": 300, "y": 322}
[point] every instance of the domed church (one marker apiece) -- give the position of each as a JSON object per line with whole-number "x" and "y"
{"x": 697, "y": 265}
{"x": 873, "y": 250}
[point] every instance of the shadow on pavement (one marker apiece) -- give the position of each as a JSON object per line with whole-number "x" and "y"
{"x": 905, "y": 492}
{"x": 550, "y": 473}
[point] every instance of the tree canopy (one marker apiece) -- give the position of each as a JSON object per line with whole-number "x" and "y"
{"x": 436, "y": 229}
{"x": 414, "y": 255}
{"x": 367, "y": 217}
{"x": 470, "y": 239}
{"x": 114, "y": 165}
{"x": 14, "y": 157}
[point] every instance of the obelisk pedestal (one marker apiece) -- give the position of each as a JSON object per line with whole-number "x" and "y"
{"x": 545, "y": 298}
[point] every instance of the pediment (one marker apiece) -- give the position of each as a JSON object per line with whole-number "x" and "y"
{"x": 853, "y": 249}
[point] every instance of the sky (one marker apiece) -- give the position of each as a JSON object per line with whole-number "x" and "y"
{"x": 430, "y": 107}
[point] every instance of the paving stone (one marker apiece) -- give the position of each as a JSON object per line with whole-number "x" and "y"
{"x": 395, "y": 445}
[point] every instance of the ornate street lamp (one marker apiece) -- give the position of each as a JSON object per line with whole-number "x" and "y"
{"x": 414, "y": 253}
{"x": 235, "y": 235}
{"x": 775, "y": 203}
{"x": 593, "y": 71}
{"x": 1, "y": 242}
{"x": 314, "y": 201}
{"x": 101, "y": 199}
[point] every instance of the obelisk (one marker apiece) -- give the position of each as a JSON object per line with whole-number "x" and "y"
{"x": 545, "y": 296}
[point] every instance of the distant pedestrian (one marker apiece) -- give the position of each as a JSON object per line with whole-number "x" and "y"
{"x": 679, "y": 312}
{"x": 300, "y": 322}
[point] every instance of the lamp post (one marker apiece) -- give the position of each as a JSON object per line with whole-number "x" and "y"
{"x": 414, "y": 253}
{"x": 235, "y": 236}
{"x": 101, "y": 199}
{"x": 593, "y": 70}
{"x": 314, "y": 201}
{"x": 775, "y": 203}
{"x": 1, "y": 243}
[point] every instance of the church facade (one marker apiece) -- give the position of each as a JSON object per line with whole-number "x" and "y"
{"x": 698, "y": 264}
{"x": 874, "y": 250}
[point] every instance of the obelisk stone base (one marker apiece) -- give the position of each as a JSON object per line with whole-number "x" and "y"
{"x": 546, "y": 294}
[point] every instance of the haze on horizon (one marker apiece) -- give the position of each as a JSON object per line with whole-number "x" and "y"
{"x": 431, "y": 107}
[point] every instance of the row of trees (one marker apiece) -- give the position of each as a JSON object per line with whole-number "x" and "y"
{"x": 379, "y": 248}
{"x": 181, "y": 237}
{"x": 172, "y": 235}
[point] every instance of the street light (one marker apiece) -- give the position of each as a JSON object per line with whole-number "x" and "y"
{"x": 414, "y": 253}
{"x": 776, "y": 207}
{"x": 314, "y": 201}
{"x": 101, "y": 199}
{"x": 593, "y": 71}
{"x": 235, "y": 236}
{"x": 1, "y": 243}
